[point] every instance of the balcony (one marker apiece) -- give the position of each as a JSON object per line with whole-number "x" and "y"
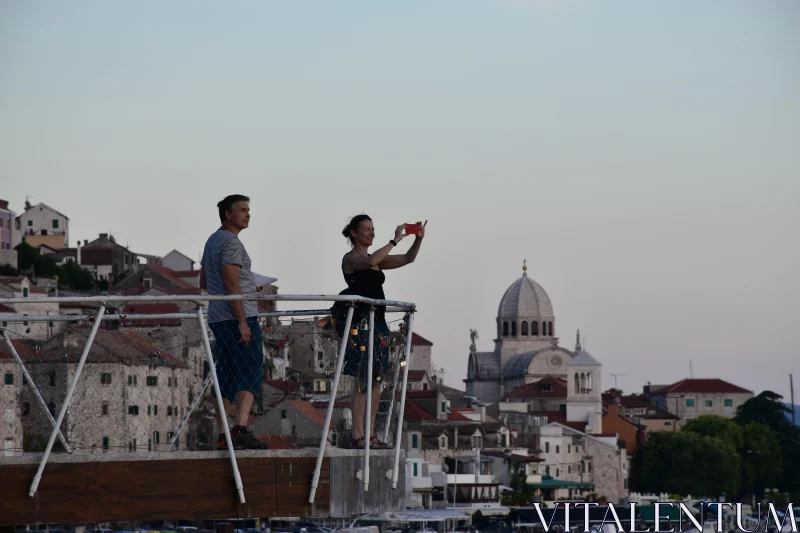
{"x": 421, "y": 483}
{"x": 440, "y": 479}
{"x": 140, "y": 392}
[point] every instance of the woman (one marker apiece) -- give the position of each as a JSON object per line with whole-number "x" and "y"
{"x": 364, "y": 275}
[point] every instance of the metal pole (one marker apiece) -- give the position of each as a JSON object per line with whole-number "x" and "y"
{"x": 192, "y": 407}
{"x": 35, "y": 391}
{"x": 220, "y": 406}
{"x": 391, "y": 403}
{"x": 396, "y": 472}
{"x": 368, "y": 415}
{"x": 63, "y": 411}
{"x": 329, "y": 413}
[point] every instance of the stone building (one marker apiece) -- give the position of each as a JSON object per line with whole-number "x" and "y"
{"x": 130, "y": 397}
{"x": 525, "y": 347}
{"x": 690, "y": 398}
{"x": 11, "y": 380}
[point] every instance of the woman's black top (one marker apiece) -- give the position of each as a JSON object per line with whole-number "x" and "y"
{"x": 369, "y": 284}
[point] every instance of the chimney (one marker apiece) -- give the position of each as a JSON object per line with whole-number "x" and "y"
{"x": 85, "y": 242}
{"x": 78, "y": 252}
{"x": 104, "y": 235}
{"x": 3, "y": 204}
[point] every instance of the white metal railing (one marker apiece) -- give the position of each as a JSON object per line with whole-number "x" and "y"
{"x": 200, "y": 316}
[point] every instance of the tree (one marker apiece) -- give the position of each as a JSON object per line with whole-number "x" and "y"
{"x": 689, "y": 462}
{"x": 8, "y": 270}
{"x": 722, "y": 428}
{"x": 762, "y": 462}
{"x": 522, "y": 493}
{"x": 29, "y": 258}
{"x": 769, "y": 410}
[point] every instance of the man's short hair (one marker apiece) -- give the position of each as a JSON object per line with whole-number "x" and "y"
{"x": 226, "y": 204}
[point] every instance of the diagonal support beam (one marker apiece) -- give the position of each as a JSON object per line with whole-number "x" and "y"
{"x": 72, "y": 386}
{"x": 36, "y": 393}
{"x": 399, "y": 435}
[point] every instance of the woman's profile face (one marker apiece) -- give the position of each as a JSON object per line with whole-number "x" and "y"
{"x": 365, "y": 233}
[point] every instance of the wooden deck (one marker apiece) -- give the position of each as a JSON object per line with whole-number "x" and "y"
{"x": 82, "y": 489}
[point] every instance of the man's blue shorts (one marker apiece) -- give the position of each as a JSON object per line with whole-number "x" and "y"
{"x": 239, "y": 367}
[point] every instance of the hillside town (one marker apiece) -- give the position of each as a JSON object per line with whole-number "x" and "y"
{"x": 533, "y": 423}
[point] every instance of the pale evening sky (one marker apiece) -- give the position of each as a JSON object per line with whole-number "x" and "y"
{"x": 643, "y": 156}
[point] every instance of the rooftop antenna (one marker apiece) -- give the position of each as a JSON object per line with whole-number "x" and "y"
{"x": 615, "y": 376}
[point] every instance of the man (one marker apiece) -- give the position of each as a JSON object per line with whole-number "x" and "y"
{"x": 225, "y": 269}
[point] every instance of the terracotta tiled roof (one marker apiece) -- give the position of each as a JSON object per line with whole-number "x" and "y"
{"x": 557, "y": 389}
{"x": 6, "y": 309}
{"x": 419, "y": 340}
{"x": 414, "y": 412}
{"x": 23, "y": 349}
{"x": 309, "y": 411}
{"x": 422, "y": 393}
{"x": 416, "y": 375}
{"x": 702, "y": 386}
{"x": 455, "y": 416}
{"x": 170, "y": 275}
{"x": 152, "y": 309}
{"x": 186, "y": 273}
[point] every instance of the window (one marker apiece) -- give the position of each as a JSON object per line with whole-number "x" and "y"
{"x": 689, "y": 402}
{"x": 667, "y": 423}
{"x": 105, "y": 443}
{"x": 546, "y": 387}
{"x": 156, "y": 437}
{"x": 30, "y": 223}
{"x": 558, "y": 448}
{"x": 416, "y": 473}
{"x": 25, "y": 292}
{"x": 546, "y": 447}
{"x": 558, "y": 471}
{"x": 444, "y": 407}
{"x": 152, "y": 381}
{"x": 727, "y": 402}
{"x": 414, "y": 441}
{"x": 709, "y": 403}
{"x": 534, "y": 328}
{"x": 443, "y": 442}
{"x": 134, "y": 444}
{"x": 104, "y": 409}
{"x": 52, "y": 379}
{"x": 105, "y": 379}
{"x": 569, "y": 448}
{"x": 477, "y": 441}
{"x": 133, "y": 381}
{"x": 9, "y": 378}
{"x": 149, "y": 445}
{"x": 169, "y": 438}
{"x": 569, "y": 469}
{"x": 505, "y": 329}
{"x": 283, "y": 413}
{"x": 133, "y": 410}
{"x": 562, "y": 407}
{"x": 155, "y": 410}
{"x": 26, "y": 409}
{"x": 55, "y": 223}
{"x": 169, "y": 410}
{"x": 523, "y": 328}
{"x": 513, "y": 328}
{"x": 549, "y": 329}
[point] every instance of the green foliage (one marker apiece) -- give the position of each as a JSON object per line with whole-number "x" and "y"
{"x": 689, "y": 462}
{"x": 758, "y": 449}
{"x": 75, "y": 277}
{"x": 8, "y": 270}
{"x": 29, "y": 258}
{"x": 522, "y": 493}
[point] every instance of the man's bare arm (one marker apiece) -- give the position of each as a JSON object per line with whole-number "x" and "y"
{"x": 230, "y": 274}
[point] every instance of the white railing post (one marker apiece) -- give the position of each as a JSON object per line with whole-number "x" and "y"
{"x": 399, "y": 435}
{"x": 388, "y": 425}
{"x": 63, "y": 411}
{"x": 36, "y": 393}
{"x": 329, "y": 413}
{"x": 192, "y": 407}
{"x": 368, "y": 414}
{"x": 220, "y": 406}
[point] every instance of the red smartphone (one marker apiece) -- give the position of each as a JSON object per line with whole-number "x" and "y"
{"x": 412, "y": 229}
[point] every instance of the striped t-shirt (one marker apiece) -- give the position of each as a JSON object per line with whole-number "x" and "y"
{"x": 223, "y": 247}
